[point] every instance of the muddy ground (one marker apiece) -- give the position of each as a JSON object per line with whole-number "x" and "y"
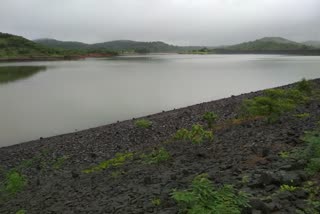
{"x": 55, "y": 182}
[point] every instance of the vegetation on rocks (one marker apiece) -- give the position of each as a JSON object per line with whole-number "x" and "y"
{"x": 156, "y": 156}
{"x": 196, "y": 135}
{"x": 312, "y": 152}
{"x": 202, "y": 198}
{"x": 13, "y": 183}
{"x": 210, "y": 118}
{"x": 272, "y": 167}
{"x": 143, "y": 123}
{"x": 117, "y": 161}
{"x": 276, "y": 102}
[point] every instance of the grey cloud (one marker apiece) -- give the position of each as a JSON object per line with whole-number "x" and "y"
{"x": 184, "y": 22}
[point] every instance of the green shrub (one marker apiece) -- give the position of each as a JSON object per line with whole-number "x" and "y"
{"x": 182, "y": 134}
{"x": 312, "y": 152}
{"x": 274, "y": 103}
{"x": 156, "y": 157}
{"x": 14, "y": 182}
{"x": 196, "y": 135}
{"x": 117, "y": 161}
{"x": 305, "y": 86}
{"x": 210, "y": 117}
{"x": 203, "y": 198}
{"x": 143, "y": 123}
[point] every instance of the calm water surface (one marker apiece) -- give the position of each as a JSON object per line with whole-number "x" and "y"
{"x": 41, "y": 99}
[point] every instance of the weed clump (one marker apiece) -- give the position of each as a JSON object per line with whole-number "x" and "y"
{"x": 203, "y": 198}
{"x": 312, "y": 152}
{"x": 196, "y": 135}
{"x": 287, "y": 188}
{"x": 156, "y": 157}
{"x": 14, "y": 182}
{"x": 303, "y": 115}
{"x": 274, "y": 103}
{"x": 143, "y": 123}
{"x": 117, "y": 161}
{"x": 210, "y": 117}
{"x": 304, "y": 86}
{"x": 156, "y": 201}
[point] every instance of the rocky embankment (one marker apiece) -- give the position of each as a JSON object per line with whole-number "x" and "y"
{"x": 64, "y": 174}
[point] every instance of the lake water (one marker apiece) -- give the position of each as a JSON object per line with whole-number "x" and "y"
{"x": 41, "y": 99}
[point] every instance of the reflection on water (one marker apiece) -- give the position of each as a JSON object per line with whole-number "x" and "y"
{"x": 14, "y": 73}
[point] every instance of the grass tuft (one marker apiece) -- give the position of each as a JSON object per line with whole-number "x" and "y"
{"x": 143, "y": 123}
{"x": 117, "y": 161}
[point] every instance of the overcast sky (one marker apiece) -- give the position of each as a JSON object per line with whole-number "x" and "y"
{"x": 181, "y": 22}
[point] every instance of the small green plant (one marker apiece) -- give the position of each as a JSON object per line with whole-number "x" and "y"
{"x": 305, "y": 86}
{"x": 143, "y": 123}
{"x": 196, "y": 135}
{"x": 288, "y": 188}
{"x": 210, "y": 117}
{"x": 203, "y": 198}
{"x": 303, "y": 115}
{"x": 117, "y": 161}
{"x": 284, "y": 154}
{"x": 116, "y": 174}
{"x": 156, "y": 202}
{"x": 245, "y": 179}
{"x": 156, "y": 157}
{"x": 59, "y": 162}
{"x": 21, "y": 211}
{"x": 14, "y": 182}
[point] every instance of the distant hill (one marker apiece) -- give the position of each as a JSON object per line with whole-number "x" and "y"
{"x": 269, "y": 45}
{"x": 122, "y": 45}
{"x": 118, "y": 46}
{"x": 12, "y": 46}
{"x": 315, "y": 44}
{"x": 70, "y": 45}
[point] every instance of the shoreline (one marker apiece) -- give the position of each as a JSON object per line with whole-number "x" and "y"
{"x": 249, "y": 149}
{"x": 163, "y": 113}
{"x": 56, "y": 58}
{"x": 232, "y": 99}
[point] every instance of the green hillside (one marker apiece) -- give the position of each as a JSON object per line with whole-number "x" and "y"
{"x": 118, "y": 46}
{"x": 12, "y": 46}
{"x": 269, "y": 43}
{"x": 122, "y": 45}
{"x": 53, "y": 43}
{"x": 315, "y": 44}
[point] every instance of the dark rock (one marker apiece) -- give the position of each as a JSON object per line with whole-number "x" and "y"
{"x": 257, "y": 204}
{"x": 268, "y": 178}
{"x": 290, "y": 178}
{"x": 75, "y": 174}
{"x": 301, "y": 193}
{"x": 147, "y": 180}
{"x": 274, "y": 206}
